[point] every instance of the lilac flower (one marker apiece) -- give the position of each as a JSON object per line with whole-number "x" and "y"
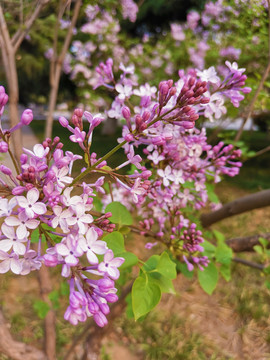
{"x": 30, "y": 205}
{"x": 60, "y": 176}
{"x": 38, "y": 152}
{"x": 61, "y": 217}
{"x": 12, "y": 241}
{"x": 70, "y": 250}
{"x": 80, "y": 219}
{"x": 156, "y": 157}
{"x": 110, "y": 265}
{"x": 78, "y": 136}
{"x": 6, "y": 206}
{"x": 166, "y": 175}
{"x": 30, "y": 262}
{"x": 124, "y": 91}
{"x": 92, "y": 246}
{"x": 23, "y": 222}
{"x": 10, "y": 262}
{"x": 209, "y": 75}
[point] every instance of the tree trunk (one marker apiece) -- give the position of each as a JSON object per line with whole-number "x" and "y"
{"x": 53, "y": 100}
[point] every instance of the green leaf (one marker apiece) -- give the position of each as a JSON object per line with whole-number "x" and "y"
{"x": 208, "y": 278}
{"x": 129, "y": 311}
{"x": 209, "y": 249}
{"x": 267, "y": 284}
{"x": 264, "y": 242}
{"x": 146, "y": 295}
{"x": 224, "y": 254}
{"x": 97, "y": 204}
{"x": 188, "y": 185}
{"x": 35, "y": 236}
{"x": 130, "y": 260}
{"x": 225, "y": 271}
{"x": 54, "y": 297}
{"x": 151, "y": 263}
{"x": 64, "y": 289}
{"x": 211, "y": 193}
{"x": 258, "y": 249}
{"x": 182, "y": 267}
{"x": 124, "y": 230}
{"x": 165, "y": 284}
{"x": 115, "y": 241}
{"x": 120, "y": 214}
{"x": 166, "y": 266}
{"x": 41, "y": 308}
{"x": 219, "y": 236}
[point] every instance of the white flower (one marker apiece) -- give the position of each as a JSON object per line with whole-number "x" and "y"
{"x": 30, "y": 204}
{"x": 124, "y": 91}
{"x": 209, "y": 75}
{"x": 92, "y": 246}
{"x": 23, "y": 223}
{"x": 38, "y": 151}
{"x": 11, "y": 241}
{"x": 166, "y": 175}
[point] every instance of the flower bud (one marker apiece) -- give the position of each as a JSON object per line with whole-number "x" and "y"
{"x": 63, "y": 121}
{"x": 27, "y": 117}
{"x": 5, "y": 170}
{"x": 126, "y": 112}
{"x": 3, "y": 147}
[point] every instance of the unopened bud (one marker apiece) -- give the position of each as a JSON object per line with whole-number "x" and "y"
{"x": 27, "y": 117}
{"x": 63, "y": 121}
{"x": 3, "y": 147}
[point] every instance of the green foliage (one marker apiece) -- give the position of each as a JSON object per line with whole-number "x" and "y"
{"x": 41, "y": 308}
{"x": 155, "y": 278}
{"x": 146, "y": 295}
{"x": 208, "y": 278}
{"x": 120, "y": 214}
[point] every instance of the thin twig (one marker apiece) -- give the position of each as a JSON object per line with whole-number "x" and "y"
{"x": 249, "y": 263}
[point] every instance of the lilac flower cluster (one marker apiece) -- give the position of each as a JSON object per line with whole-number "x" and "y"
{"x": 40, "y": 200}
{"x": 177, "y": 151}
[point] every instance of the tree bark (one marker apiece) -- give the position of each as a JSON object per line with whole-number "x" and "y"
{"x": 238, "y": 206}
{"x": 14, "y": 349}
{"x": 246, "y": 243}
{"x": 49, "y": 323}
{"x": 9, "y": 61}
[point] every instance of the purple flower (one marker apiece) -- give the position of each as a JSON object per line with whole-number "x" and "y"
{"x": 110, "y": 265}
{"x": 70, "y": 250}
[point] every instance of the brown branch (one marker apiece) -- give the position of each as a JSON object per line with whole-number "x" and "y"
{"x": 249, "y": 263}
{"x": 238, "y": 206}
{"x": 50, "y": 335}
{"x": 246, "y": 243}
{"x": 22, "y": 32}
{"x": 14, "y": 349}
{"x": 260, "y": 86}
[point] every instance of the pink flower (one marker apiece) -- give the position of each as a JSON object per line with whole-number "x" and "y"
{"x": 30, "y": 205}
